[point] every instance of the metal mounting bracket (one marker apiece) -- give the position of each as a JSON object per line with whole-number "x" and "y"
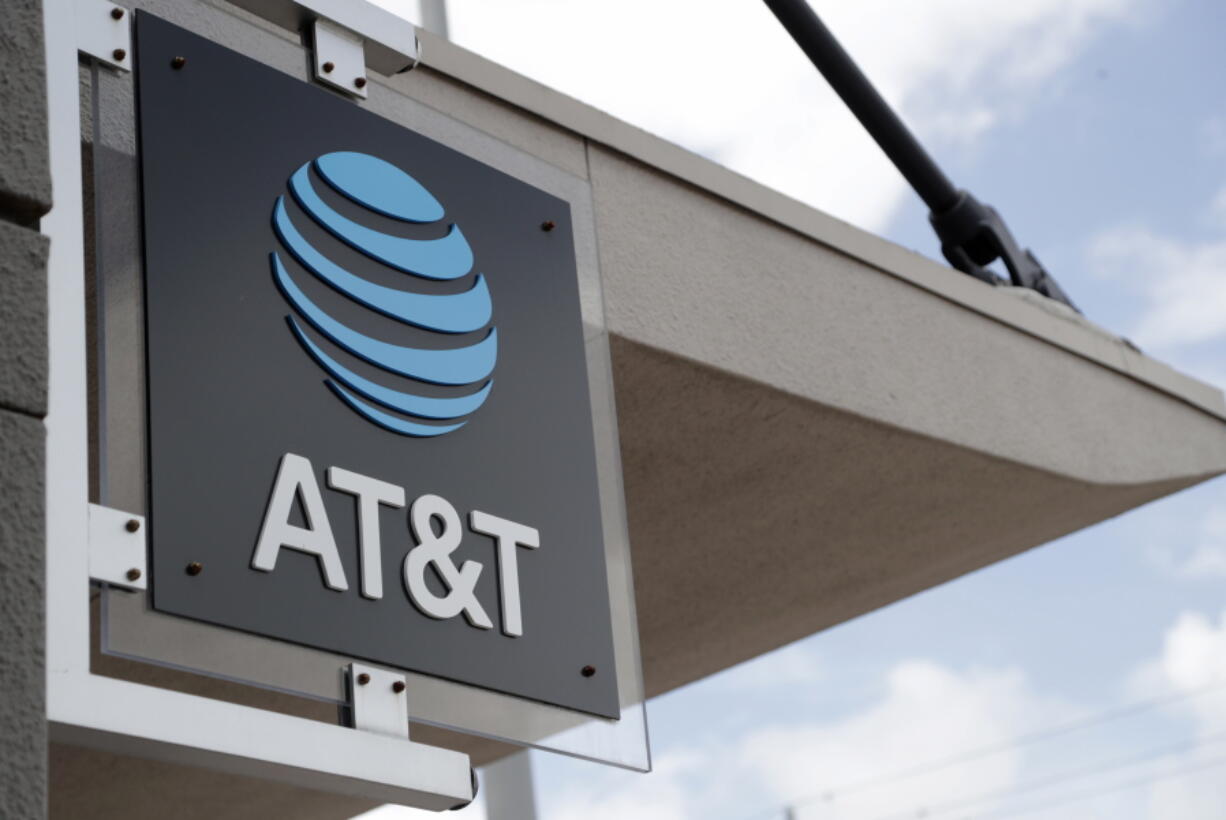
{"x": 104, "y": 32}
{"x": 117, "y": 548}
{"x": 340, "y": 57}
{"x": 378, "y": 701}
{"x": 389, "y": 41}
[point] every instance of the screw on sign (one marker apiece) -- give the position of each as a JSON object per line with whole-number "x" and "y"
{"x": 342, "y": 406}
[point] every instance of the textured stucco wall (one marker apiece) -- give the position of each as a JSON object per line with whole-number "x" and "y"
{"x": 25, "y": 182}
{"x": 23, "y": 734}
{"x": 25, "y": 195}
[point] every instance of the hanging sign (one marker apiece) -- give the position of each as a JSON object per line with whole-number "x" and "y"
{"x": 369, "y": 420}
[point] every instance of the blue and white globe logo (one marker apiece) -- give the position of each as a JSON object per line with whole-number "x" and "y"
{"x": 396, "y": 403}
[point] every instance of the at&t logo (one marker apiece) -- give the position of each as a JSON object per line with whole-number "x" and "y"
{"x": 460, "y": 357}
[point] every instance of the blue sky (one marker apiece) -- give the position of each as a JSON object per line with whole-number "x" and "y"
{"x": 1097, "y": 128}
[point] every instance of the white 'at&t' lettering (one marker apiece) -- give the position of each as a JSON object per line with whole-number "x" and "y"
{"x": 296, "y": 478}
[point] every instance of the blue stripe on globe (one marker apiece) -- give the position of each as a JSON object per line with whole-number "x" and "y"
{"x": 382, "y": 188}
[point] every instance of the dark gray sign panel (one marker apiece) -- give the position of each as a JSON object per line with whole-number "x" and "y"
{"x": 369, "y": 420}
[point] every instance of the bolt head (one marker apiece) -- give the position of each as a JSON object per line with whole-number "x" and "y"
{"x": 359, "y": 82}
{"x": 363, "y": 679}
{"x": 132, "y": 525}
{"x": 116, "y": 13}
{"x": 194, "y": 568}
{"x": 119, "y": 54}
{"x": 133, "y": 574}
{"x": 548, "y": 225}
{"x": 587, "y": 671}
{"x": 398, "y": 686}
{"x": 178, "y": 62}
{"x": 328, "y": 67}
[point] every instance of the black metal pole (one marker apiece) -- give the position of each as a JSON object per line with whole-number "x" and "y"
{"x": 873, "y": 112}
{"x": 972, "y": 234}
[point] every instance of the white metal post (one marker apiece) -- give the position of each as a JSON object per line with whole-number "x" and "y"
{"x": 509, "y": 791}
{"x": 434, "y": 17}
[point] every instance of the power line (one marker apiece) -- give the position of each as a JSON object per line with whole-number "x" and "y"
{"x": 1118, "y": 787}
{"x": 1066, "y": 776}
{"x": 1026, "y": 739}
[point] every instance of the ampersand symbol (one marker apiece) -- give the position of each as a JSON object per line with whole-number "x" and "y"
{"x": 434, "y": 549}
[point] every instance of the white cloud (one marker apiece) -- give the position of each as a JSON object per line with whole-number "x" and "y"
{"x": 724, "y": 79}
{"x": 1194, "y": 652}
{"x": 1184, "y": 284}
{"x": 929, "y": 713}
{"x": 1192, "y": 662}
{"x": 1191, "y": 665}
{"x": 662, "y": 795}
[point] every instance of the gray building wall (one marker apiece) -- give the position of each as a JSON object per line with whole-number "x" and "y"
{"x": 25, "y": 195}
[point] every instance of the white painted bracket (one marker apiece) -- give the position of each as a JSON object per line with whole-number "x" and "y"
{"x": 390, "y": 41}
{"x": 104, "y": 32}
{"x": 380, "y": 701}
{"x": 117, "y": 548}
{"x": 340, "y": 57}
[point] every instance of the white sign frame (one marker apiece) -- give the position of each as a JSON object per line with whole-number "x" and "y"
{"x": 122, "y": 716}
